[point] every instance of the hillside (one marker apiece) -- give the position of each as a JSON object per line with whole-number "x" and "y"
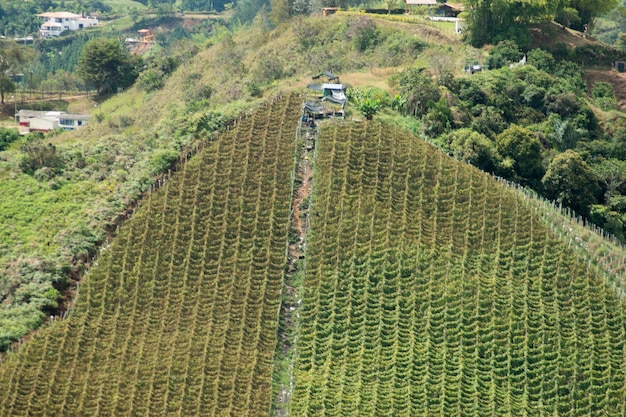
{"x": 179, "y": 315}
{"x": 430, "y": 288}
{"x": 422, "y": 285}
{"x": 54, "y": 219}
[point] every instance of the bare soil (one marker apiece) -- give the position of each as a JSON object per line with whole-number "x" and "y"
{"x": 301, "y": 194}
{"x": 618, "y": 80}
{"x": 548, "y": 35}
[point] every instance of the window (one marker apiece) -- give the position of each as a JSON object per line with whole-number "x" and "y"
{"x": 66, "y": 122}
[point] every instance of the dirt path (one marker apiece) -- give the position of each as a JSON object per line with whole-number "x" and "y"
{"x": 293, "y": 276}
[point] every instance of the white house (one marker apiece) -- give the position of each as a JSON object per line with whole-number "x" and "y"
{"x": 45, "y": 121}
{"x": 56, "y": 23}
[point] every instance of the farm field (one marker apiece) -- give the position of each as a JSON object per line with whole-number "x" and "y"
{"x": 430, "y": 289}
{"x": 179, "y": 315}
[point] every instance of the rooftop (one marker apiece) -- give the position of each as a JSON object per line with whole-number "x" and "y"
{"x": 60, "y": 15}
{"x": 456, "y": 6}
{"x": 52, "y": 114}
{"x": 422, "y": 2}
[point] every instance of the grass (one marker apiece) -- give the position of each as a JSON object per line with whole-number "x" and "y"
{"x": 119, "y": 5}
{"x": 36, "y": 212}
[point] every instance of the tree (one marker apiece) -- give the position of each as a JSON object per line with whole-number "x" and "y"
{"x": 567, "y": 16}
{"x": 12, "y": 58}
{"x": 521, "y": 151}
{"x": 472, "y": 147}
{"x": 504, "y": 53}
{"x": 418, "y": 89}
{"x": 589, "y": 10}
{"x": 6, "y": 87}
{"x": 571, "y": 182}
{"x": 107, "y": 65}
{"x": 612, "y": 173}
{"x": 438, "y": 120}
{"x": 493, "y": 20}
{"x": 280, "y": 11}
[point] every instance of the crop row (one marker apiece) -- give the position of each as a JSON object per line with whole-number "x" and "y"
{"x": 430, "y": 289}
{"x": 179, "y": 315}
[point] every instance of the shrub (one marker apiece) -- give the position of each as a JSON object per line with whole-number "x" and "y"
{"x": 38, "y": 155}
{"x": 542, "y": 60}
{"x": 150, "y": 80}
{"x": 162, "y": 160}
{"x": 472, "y": 147}
{"x": 365, "y": 33}
{"x": 7, "y": 136}
{"x": 604, "y": 96}
{"x": 504, "y": 53}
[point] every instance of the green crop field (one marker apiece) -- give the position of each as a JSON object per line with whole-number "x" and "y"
{"x": 179, "y": 315}
{"x": 431, "y": 289}
{"x": 428, "y": 288}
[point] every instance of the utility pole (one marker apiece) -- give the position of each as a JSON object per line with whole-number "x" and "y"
{"x": 15, "y": 105}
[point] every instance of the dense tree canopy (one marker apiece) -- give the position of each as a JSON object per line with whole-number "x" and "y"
{"x": 494, "y": 20}
{"x": 107, "y": 65}
{"x": 570, "y": 181}
{"x": 12, "y": 58}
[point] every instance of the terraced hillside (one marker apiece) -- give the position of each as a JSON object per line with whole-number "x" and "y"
{"x": 179, "y": 315}
{"x": 430, "y": 289}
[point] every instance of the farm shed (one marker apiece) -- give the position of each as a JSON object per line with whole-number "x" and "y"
{"x": 331, "y": 102}
{"x": 449, "y": 10}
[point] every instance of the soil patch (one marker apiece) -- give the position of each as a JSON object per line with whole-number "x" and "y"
{"x": 551, "y": 34}
{"x": 616, "y": 79}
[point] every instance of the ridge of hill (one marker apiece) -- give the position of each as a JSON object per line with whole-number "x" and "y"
{"x": 428, "y": 287}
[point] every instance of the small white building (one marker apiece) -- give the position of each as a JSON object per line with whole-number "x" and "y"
{"x": 44, "y": 121}
{"x": 56, "y": 23}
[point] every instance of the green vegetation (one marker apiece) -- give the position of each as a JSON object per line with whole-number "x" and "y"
{"x": 492, "y": 21}
{"x": 517, "y": 122}
{"x": 427, "y": 286}
{"x": 107, "y": 65}
{"x": 431, "y": 289}
{"x": 179, "y": 314}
